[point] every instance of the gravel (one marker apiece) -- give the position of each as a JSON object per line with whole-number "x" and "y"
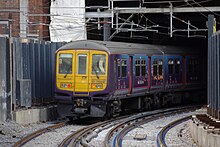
{"x": 177, "y": 136}
{"x": 11, "y": 132}
{"x": 53, "y": 138}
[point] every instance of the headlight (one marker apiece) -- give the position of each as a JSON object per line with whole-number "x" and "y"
{"x": 95, "y": 86}
{"x": 65, "y": 85}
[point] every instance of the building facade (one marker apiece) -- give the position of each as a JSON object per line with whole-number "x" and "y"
{"x": 25, "y": 18}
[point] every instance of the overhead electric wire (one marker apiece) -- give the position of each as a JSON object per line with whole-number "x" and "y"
{"x": 138, "y": 24}
{"x": 201, "y": 12}
{"x": 205, "y": 1}
{"x": 160, "y": 2}
{"x": 205, "y": 8}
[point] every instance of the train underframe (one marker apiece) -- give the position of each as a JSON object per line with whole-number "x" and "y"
{"x": 96, "y": 107}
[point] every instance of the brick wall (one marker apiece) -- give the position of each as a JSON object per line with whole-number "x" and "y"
{"x": 11, "y": 6}
{"x": 37, "y": 24}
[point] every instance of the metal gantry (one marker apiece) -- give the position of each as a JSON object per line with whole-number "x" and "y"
{"x": 113, "y": 14}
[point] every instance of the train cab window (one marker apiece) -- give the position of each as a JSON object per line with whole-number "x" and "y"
{"x": 119, "y": 67}
{"x": 170, "y": 66}
{"x": 123, "y": 68}
{"x": 143, "y": 67}
{"x": 98, "y": 64}
{"x": 177, "y": 66}
{"x": 65, "y": 63}
{"x": 155, "y": 67}
{"x": 82, "y": 63}
{"x": 137, "y": 67}
{"x": 160, "y": 66}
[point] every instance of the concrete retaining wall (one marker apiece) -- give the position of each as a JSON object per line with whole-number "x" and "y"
{"x": 35, "y": 115}
{"x": 203, "y": 135}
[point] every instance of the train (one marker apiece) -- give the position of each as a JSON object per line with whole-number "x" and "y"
{"x": 104, "y": 78}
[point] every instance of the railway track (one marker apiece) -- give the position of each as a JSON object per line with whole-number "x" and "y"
{"x": 162, "y": 134}
{"x": 33, "y": 135}
{"x": 113, "y": 130}
{"x": 79, "y": 137}
{"x": 120, "y": 126}
{"x": 116, "y": 134}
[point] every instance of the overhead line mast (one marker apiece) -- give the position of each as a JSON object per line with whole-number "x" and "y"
{"x": 112, "y": 13}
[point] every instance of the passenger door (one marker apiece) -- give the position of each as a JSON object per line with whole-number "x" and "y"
{"x": 140, "y": 75}
{"x": 82, "y": 70}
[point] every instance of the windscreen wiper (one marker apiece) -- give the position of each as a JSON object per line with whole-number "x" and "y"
{"x": 68, "y": 70}
{"x": 96, "y": 73}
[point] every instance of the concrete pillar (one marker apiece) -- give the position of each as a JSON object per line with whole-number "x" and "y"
{"x": 107, "y": 30}
{"x": 23, "y": 18}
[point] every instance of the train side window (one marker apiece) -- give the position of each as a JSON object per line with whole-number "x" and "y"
{"x": 196, "y": 66}
{"x": 119, "y": 67}
{"x": 143, "y": 67}
{"x": 82, "y": 64}
{"x": 155, "y": 67}
{"x": 190, "y": 67}
{"x": 170, "y": 66}
{"x": 177, "y": 66}
{"x": 65, "y": 63}
{"x": 137, "y": 67}
{"x": 160, "y": 66}
{"x": 123, "y": 68}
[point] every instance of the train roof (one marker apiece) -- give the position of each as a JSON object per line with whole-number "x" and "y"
{"x": 127, "y": 48}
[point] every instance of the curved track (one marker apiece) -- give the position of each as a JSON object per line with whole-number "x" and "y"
{"x": 38, "y": 133}
{"x": 116, "y": 134}
{"x": 78, "y": 137}
{"x": 162, "y": 134}
{"x": 121, "y": 126}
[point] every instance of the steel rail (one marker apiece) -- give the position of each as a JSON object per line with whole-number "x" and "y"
{"x": 161, "y": 135}
{"x": 38, "y": 133}
{"x": 124, "y": 127}
{"x": 75, "y": 138}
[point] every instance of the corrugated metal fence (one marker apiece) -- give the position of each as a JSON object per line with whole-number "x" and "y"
{"x": 4, "y": 78}
{"x": 213, "y": 71}
{"x": 32, "y": 73}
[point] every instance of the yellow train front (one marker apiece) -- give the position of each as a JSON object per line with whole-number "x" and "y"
{"x": 81, "y": 74}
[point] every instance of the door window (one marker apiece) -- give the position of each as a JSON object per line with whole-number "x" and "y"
{"x": 123, "y": 68}
{"x": 82, "y": 64}
{"x": 170, "y": 66}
